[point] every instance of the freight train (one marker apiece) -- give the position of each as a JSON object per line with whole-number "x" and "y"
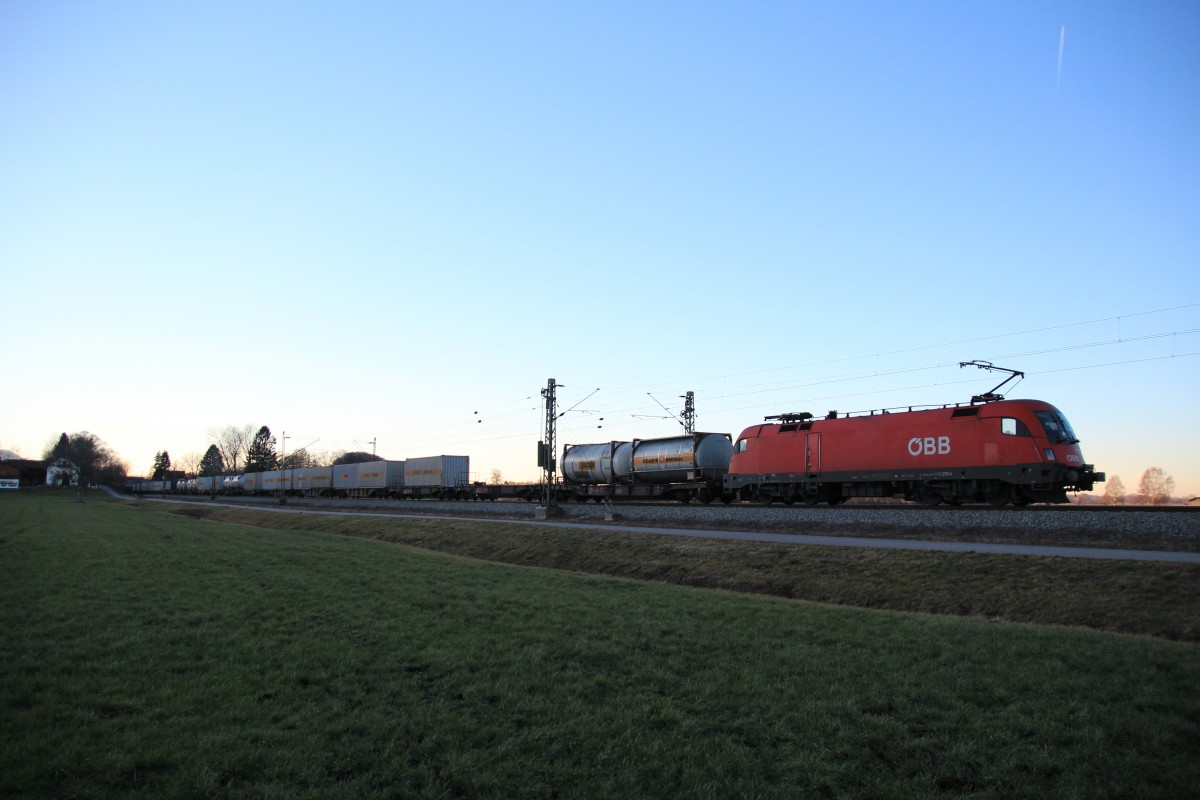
{"x": 990, "y": 450}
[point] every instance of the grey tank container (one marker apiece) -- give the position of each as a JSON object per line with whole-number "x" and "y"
{"x": 589, "y": 463}
{"x": 677, "y": 459}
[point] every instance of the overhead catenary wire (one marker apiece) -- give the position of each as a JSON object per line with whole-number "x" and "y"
{"x": 519, "y": 417}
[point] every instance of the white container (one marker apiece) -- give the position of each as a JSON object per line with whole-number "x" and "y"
{"x": 345, "y": 477}
{"x": 321, "y": 479}
{"x": 438, "y": 471}
{"x": 381, "y": 475}
{"x": 298, "y": 479}
{"x": 274, "y": 481}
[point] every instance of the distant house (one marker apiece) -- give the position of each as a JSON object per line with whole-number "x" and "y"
{"x": 25, "y": 471}
{"x": 10, "y": 477}
{"x": 62, "y": 473}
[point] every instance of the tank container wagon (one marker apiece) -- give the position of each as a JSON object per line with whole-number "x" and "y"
{"x": 994, "y": 451}
{"x": 680, "y": 468}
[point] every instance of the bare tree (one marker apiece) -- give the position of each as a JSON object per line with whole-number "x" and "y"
{"x": 299, "y": 459}
{"x": 322, "y": 458}
{"x": 190, "y": 464}
{"x": 497, "y": 477}
{"x": 1155, "y": 487}
{"x": 1114, "y": 491}
{"x": 233, "y": 442}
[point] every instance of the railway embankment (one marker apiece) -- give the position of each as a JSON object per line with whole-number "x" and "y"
{"x": 1071, "y": 526}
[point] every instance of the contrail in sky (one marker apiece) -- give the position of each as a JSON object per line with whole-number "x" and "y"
{"x": 1062, "y": 40}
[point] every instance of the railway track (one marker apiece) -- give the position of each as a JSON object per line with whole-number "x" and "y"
{"x": 911, "y": 507}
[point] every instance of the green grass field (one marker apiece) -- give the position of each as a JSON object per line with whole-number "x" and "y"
{"x": 149, "y": 654}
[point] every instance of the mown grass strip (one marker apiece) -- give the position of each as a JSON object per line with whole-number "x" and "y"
{"x": 149, "y": 655}
{"x": 1122, "y": 596}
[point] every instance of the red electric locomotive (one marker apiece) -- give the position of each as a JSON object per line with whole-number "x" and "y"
{"x": 992, "y": 450}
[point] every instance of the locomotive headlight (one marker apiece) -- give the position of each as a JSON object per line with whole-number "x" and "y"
{"x": 1049, "y": 454}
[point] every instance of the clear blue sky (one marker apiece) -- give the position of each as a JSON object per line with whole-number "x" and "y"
{"x": 356, "y": 221}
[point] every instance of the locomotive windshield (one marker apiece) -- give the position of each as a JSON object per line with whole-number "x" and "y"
{"x": 1058, "y": 430}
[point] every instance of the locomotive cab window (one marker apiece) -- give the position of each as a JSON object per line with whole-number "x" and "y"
{"x": 1014, "y": 427}
{"x": 741, "y": 446}
{"x": 1058, "y": 430}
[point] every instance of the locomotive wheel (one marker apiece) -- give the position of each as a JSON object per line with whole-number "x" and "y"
{"x": 999, "y": 496}
{"x": 930, "y": 498}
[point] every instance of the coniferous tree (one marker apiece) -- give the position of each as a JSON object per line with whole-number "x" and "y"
{"x": 261, "y": 455}
{"x": 162, "y": 466}
{"x": 60, "y": 449}
{"x": 212, "y": 463}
